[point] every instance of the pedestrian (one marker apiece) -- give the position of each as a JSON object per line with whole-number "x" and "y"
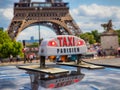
{"x": 69, "y": 58}
{"x": 34, "y": 56}
{"x": 119, "y": 53}
{"x": 104, "y": 53}
{"x": 57, "y": 58}
{"x": 18, "y": 58}
{"x": 74, "y": 58}
{"x": 11, "y": 58}
{"x": 26, "y": 58}
{"x": 99, "y": 52}
{"x": 31, "y": 57}
{"x": 1, "y": 60}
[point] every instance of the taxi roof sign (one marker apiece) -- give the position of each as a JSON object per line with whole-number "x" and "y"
{"x": 62, "y": 45}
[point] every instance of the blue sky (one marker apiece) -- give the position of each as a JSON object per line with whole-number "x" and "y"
{"x": 88, "y": 14}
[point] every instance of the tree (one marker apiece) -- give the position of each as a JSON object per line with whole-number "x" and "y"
{"x": 17, "y": 48}
{"x": 7, "y": 46}
{"x": 88, "y": 37}
{"x": 4, "y": 37}
{"x": 118, "y": 31}
{"x": 96, "y": 35}
{"x": 35, "y": 44}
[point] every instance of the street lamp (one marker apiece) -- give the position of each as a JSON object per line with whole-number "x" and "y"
{"x": 38, "y": 8}
{"x": 39, "y": 32}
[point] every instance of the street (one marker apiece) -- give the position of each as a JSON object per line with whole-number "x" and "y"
{"x": 12, "y": 78}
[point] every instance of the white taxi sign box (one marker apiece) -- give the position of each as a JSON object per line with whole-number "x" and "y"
{"x": 62, "y": 45}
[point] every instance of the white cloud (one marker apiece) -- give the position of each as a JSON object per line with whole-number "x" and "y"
{"x": 95, "y": 10}
{"x": 6, "y": 13}
{"x": 88, "y": 26}
{"x": 1, "y": 10}
{"x": 91, "y": 17}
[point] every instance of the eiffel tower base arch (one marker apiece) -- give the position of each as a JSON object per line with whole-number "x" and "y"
{"x": 56, "y": 17}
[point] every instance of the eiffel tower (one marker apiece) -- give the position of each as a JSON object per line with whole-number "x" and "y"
{"x": 53, "y": 14}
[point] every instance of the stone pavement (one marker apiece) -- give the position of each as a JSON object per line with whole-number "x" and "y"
{"x": 18, "y": 63}
{"x": 107, "y": 62}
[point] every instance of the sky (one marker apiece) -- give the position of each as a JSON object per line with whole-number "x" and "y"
{"x": 88, "y": 14}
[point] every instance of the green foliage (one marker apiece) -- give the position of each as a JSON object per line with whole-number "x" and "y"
{"x": 119, "y": 40}
{"x": 4, "y": 37}
{"x": 96, "y": 35}
{"x": 118, "y": 31}
{"x": 7, "y": 46}
{"x": 88, "y": 37}
{"x": 17, "y": 48}
{"x": 35, "y": 44}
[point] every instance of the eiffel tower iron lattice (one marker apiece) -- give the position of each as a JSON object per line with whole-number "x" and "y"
{"x": 51, "y": 13}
